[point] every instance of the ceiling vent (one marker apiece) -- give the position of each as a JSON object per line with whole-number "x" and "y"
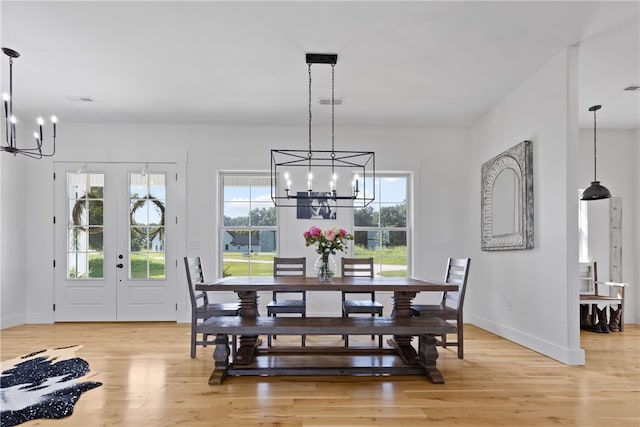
{"x": 632, "y": 88}
{"x": 80, "y": 99}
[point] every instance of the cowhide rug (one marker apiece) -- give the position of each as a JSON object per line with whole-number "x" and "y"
{"x": 43, "y": 384}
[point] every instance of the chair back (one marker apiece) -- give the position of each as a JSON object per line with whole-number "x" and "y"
{"x": 289, "y": 266}
{"x": 193, "y": 268}
{"x": 457, "y": 273}
{"x": 361, "y": 267}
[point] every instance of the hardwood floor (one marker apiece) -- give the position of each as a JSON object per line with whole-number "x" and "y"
{"x": 150, "y": 380}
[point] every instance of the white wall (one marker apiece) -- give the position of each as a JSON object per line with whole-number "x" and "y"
{"x": 209, "y": 149}
{"x": 13, "y": 259}
{"x": 524, "y": 295}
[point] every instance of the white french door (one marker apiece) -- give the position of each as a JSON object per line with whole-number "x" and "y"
{"x": 115, "y": 242}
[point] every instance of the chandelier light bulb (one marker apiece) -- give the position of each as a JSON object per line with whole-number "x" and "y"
{"x": 334, "y": 177}
{"x": 54, "y": 119}
{"x": 35, "y": 135}
{"x": 5, "y": 97}
{"x": 40, "y": 121}
{"x": 13, "y": 120}
{"x": 310, "y": 176}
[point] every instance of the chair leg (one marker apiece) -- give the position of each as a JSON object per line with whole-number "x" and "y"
{"x": 380, "y": 336}
{"x": 460, "y": 342}
{"x": 346, "y": 337}
{"x": 193, "y": 341}
{"x": 304, "y": 337}
{"x": 270, "y": 336}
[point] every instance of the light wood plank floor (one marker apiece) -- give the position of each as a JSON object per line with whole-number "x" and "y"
{"x": 150, "y": 380}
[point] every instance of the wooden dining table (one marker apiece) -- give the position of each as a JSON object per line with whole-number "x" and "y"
{"x": 401, "y": 318}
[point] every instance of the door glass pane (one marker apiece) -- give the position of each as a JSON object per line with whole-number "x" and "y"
{"x": 85, "y": 225}
{"x": 147, "y": 204}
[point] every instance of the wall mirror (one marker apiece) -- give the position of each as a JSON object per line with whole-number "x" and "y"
{"x": 507, "y": 200}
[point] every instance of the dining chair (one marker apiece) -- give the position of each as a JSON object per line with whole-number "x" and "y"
{"x": 288, "y": 267}
{"x": 362, "y": 267}
{"x": 450, "y": 307}
{"x": 201, "y": 308}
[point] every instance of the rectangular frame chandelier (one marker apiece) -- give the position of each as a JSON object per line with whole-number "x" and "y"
{"x": 343, "y": 178}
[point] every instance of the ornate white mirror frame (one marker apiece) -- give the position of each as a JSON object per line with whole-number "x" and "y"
{"x": 519, "y": 160}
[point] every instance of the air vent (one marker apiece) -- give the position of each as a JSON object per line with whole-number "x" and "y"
{"x": 80, "y": 99}
{"x": 632, "y": 88}
{"x": 327, "y": 101}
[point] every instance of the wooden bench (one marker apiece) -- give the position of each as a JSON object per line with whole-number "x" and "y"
{"x": 402, "y": 328}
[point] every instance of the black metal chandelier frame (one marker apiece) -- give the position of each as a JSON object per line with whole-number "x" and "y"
{"x": 10, "y": 145}
{"x": 360, "y": 163}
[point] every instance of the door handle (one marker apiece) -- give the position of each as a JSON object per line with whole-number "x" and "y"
{"x": 120, "y": 265}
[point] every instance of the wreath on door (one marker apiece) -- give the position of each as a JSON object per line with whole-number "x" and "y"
{"x": 153, "y": 232}
{"x": 80, "y": 209}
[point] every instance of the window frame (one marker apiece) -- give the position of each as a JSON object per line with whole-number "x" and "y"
{"x": 408, "y": 228}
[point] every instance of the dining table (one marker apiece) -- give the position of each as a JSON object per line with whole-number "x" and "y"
{"x": 401, "y": 318}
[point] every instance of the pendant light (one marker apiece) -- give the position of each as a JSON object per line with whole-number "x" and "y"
{"x": 338, "y": 177}
{"x": 595, "y": 190}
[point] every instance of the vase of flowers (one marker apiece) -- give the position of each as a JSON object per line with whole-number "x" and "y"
{"x": 327, "y": 243}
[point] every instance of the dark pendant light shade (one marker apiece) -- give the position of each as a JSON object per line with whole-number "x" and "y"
{"x": 595, "y": 190}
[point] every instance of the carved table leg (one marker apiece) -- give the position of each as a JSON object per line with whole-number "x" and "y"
{"x": 428, "y": 357}
{"x": 220, "y": 359}
{"x": 248, "y": 343}
{"x": 402, "y": 308}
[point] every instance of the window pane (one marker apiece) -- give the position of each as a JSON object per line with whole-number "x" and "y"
{"x": 262, "y": 214}
{"x": 248, "y": 253}
{"x": 393, "y": 254}
{"x": 236, "y": 213}
{"x": 393, "y": 215}
{"x": 366, "y": 217}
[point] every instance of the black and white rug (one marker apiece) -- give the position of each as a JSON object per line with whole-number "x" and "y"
{"x": 43, "y": 384}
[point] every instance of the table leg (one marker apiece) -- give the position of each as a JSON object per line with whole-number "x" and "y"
{"x": 248, "y": 343}
{"x": 428, "y": 357}
{"x": 220, "y": 359}
{"x": 402, "y": 308}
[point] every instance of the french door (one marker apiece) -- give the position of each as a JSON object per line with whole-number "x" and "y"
{"x": 115, "y": 251}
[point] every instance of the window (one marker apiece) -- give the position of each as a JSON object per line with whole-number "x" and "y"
{"x": 85, "y": 225}
{"x": 381, "y": 229}
{"x": 248, "y": 231}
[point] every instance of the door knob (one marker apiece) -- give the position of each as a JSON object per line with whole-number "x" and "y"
{"x": 119, "y": 265}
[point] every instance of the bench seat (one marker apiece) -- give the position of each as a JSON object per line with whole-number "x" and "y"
{"x": 410, "y": 326}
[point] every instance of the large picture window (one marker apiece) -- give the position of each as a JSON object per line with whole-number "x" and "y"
{"x": 381, "y": 229}
{"x": 249, "y": 226}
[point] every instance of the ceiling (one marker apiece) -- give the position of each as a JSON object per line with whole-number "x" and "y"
{"x": 435, "y": 64}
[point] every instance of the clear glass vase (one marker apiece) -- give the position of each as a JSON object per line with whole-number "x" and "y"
{"x": 325, "y": 268}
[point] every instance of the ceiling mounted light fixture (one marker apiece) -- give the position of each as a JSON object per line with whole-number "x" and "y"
{"x": 595, "y": 190}
{"x": 10, "y": 145}
{"x": 341, "y": 178}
